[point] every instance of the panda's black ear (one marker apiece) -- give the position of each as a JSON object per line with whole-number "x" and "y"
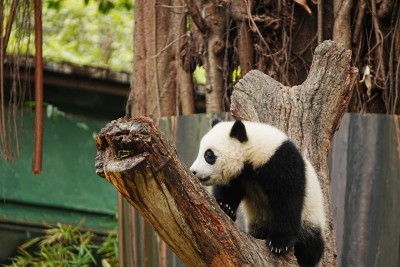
{"x": 215, "y": 121}
{"x": 238, "y": 131}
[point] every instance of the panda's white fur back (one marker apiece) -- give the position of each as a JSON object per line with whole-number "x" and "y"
{"x": 313, "y": 210}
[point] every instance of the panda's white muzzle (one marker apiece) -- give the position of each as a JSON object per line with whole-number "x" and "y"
{"x": 201, "y": 179}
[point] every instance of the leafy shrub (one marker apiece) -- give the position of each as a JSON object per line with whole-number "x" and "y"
{"x": 67, "y": 245}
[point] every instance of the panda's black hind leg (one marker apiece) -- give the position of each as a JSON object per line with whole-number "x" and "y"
{"x": 309, "y": 248}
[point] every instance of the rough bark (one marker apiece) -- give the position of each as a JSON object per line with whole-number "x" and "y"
{"x": 144, "y": 167}
{"x": 157, "y": 35}
{"x": 157, "y": 81}
{"x": 342, "y": 25}
{"x": 240, "y": 13}
{"x": 215, "y": 46}
{"x": 184, "y": 72}
{"x": 185, "y": 85}
{"x": 309, "y": 113}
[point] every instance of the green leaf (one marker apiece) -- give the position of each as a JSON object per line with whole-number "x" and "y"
{"x": 30, "y": 242}
{"x": 105, "y": 6}
{"x": 54, "y": 4}
{"x": 199, "y": 75}
{"x": 82, "y": 125}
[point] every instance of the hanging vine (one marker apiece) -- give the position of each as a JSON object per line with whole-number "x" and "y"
{"x": 278, "y": 37}
{"x": 14, "y": 80}
{"x": 376, "y": 48}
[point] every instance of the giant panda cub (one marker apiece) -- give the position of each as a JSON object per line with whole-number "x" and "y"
{"x": 256, "y": 163}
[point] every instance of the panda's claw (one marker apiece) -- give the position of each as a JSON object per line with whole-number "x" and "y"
{"x": 228, "y": 210}
{"x": 281, "y": 242}
{"x": 269, "y": 244}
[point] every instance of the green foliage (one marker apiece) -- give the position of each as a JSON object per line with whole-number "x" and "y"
{"x": 95, "y": 33}
{"x": 236, "y": 74}
{"x": 56, "y": 4}
{"x": 199, "y": 75}
{"x": 109, "y": 250}
{"x": 65, "y": 246}
{"x": 104, "y": 5}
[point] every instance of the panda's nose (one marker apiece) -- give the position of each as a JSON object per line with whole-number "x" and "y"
{"x": 194, "y": 172}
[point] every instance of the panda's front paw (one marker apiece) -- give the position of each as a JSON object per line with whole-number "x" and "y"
{"x": 228, "y": 210}
{"x": 280, "y": 244}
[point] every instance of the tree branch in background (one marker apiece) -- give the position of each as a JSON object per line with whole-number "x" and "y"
{"x": 217, "y": 20}
{"x": 320, "y": 28}
{"x": 241, "y": 13}
{"x": 342, "y": 25}
{"x": 3, "y": 134}
{"x": 379, "y": 65}
{"x": 196, "y": 16}
{"x": 10, "y": 21}
{"x": 38, "y": 145}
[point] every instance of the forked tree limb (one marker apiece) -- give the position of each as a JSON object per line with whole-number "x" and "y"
{"x": 309, "y": 113}
{"x": 141, "y": 163}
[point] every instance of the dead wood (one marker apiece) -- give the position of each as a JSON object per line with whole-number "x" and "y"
{"x": 141, "y": 163}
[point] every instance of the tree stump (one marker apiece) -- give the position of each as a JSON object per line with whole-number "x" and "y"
{"x": 309, "y": 113}
{"x": 141, "y": 163}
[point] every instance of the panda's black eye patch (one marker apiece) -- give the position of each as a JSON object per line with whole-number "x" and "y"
{"x": 210, "y": 157}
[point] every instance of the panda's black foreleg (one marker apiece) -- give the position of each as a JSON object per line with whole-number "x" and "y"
{"x": 228, "y": 197}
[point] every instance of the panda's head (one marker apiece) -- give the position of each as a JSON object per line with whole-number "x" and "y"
{"x": 221, "y": 153}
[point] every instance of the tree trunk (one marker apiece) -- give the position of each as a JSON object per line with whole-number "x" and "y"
{"x": 157, "y": 81}
{"x": 144, "y": 167}
{"x": 217, "y": 18}
{"x": 309, "y": 113}
{"x": 157, "y": 38}
{"x": 240, "y": 13}
{"x": 342, "y": 24}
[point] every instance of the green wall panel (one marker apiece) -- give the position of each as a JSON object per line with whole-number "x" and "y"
{"x": 68, "y": 183}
